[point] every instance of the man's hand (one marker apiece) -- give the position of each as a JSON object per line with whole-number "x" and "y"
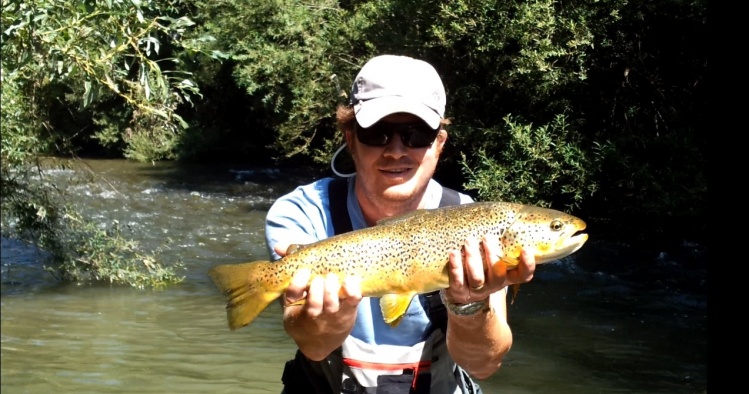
{"x": 319, "y": 311}
{"x": 477, "y": 271}
{"x": 479, "y": 342}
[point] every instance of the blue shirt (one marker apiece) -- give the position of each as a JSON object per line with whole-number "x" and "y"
{"x": 303, "y": 216}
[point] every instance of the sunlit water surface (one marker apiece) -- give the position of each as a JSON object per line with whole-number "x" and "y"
{"x": 586, "y": 324}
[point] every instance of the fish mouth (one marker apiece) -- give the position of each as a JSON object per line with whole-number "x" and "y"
{"x": 575, "y": 242}
{"x": 569, "y": 243}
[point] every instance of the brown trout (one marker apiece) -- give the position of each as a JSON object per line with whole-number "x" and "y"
{"x": 402, "y": 256}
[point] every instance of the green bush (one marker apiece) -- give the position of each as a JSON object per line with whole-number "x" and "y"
{"x": 593, "y": 105}
{"x": 64, "y": 62}
{"x": 543, "y": 165}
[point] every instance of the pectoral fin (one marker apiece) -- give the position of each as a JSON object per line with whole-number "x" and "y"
{"x": 515, "y": 288}
{"x": 394, "y": 306}
{"x": 294, "y": 248}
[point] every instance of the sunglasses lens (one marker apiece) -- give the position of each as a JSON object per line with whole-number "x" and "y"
{"x": 413, "y": 135}
{"x": 418, "y": 135}
{"x": 373, "y": 135}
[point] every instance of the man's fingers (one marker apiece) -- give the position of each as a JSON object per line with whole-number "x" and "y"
{"x": 281, "y": 248}
{"x": 330, "y": 295}
{"x": 474, "y": 265}
{"x": 297, "y": 290}
{"x": 492, "y": 254}
{"x": 456, "y": 277}
{"x": 315, "y": 296}
{"x": 527, "y": 267}
{"x": 351, "y": 290}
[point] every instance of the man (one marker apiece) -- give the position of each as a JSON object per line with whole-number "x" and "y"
{"x": 394, "y": 130}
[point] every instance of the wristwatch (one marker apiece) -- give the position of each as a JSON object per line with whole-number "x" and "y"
{"x": 468, "y": 309}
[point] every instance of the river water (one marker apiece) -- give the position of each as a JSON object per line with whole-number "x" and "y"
{"x": 609, "y": 319}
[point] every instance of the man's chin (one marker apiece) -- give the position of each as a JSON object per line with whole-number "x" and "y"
{"x": 400, "y": 191}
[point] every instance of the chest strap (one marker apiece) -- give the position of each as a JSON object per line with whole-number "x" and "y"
{"x": 338, "y": 192}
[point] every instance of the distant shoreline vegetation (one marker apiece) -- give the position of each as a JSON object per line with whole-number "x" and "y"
{"x": 594, "y": 108}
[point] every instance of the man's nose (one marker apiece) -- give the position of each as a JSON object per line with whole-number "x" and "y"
{"x": 395, "y": 147}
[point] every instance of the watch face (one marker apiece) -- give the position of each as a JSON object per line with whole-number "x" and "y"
{"x": 471, "y": 308}
{"x": 464, "y": 309}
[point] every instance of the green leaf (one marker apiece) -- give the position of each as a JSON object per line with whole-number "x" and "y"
{"x": 88, "y": 94}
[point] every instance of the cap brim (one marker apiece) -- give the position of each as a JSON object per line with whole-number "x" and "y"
{"x": 369, "y": 112}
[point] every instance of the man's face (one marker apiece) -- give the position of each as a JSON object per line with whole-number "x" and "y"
{"x": 394, "y": 171}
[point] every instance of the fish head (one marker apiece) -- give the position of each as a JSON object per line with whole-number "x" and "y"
{"x": 552, "y": 234}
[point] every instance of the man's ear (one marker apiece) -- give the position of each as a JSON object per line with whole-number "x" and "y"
{"x": 348, "y": 137}
{"x": 441, "y": 140}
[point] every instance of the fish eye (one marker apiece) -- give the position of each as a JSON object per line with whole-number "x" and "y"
{"x": 556, "y": 225}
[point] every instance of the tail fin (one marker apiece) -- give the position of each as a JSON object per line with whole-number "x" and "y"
{"x": 246, "y": 288}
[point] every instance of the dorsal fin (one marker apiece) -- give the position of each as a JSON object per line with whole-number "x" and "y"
{"x": 404, "y": 216}
{"x": 294, "y": 248}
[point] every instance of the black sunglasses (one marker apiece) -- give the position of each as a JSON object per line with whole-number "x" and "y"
{"x": 413, "y": 134}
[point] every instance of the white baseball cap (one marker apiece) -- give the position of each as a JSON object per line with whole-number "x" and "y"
{"x": 389, "y": 84}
